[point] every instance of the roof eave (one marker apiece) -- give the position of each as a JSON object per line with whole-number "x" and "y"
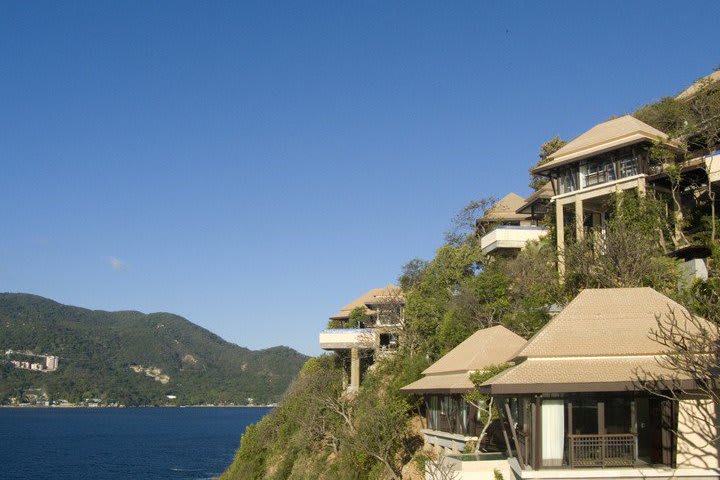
{"x": 576, "y": 156}
{"x": 590, "y": 387}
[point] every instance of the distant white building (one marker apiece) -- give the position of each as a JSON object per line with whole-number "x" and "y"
{"x": 51, "y": 362}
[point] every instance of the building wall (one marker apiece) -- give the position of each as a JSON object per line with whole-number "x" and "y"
{"x": 695, "y": 445}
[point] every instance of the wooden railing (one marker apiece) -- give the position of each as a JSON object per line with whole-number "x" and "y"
{"x": 609, "y": 450}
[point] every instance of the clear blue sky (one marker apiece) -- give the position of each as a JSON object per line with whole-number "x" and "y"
{"x": 254, "y": 166}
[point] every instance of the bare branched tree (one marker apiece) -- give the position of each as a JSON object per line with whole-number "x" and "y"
{"x": 468, "y": 221}
{"x": 436, "y": 468}
{"x": 485, "y": 404}
{"x": 622, "y": 256}
{"x": 688, "y": 372}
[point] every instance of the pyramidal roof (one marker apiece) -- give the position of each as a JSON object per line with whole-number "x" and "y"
{"x": 604, "y": 322}
{"x": 484, "y": 348}
{"x": 600, "y": 342}
{"x": 373, "y": 297}
{"x": 506, "y": 209}
{"x": 605, "y": 136}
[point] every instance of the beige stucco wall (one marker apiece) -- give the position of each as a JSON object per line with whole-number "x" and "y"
{"x": 695, "y": 444}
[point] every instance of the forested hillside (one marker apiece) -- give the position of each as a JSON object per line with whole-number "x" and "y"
{"x": 319, "y": 432}
{"x": 105, "y": 355}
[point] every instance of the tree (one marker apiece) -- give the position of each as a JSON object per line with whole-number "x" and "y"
{"x": 411, "y": 275}
{"x": 467, "y": 223}
{"x": 359, "y": 318}
{"x": 627, "y": 253}
{"x": 705, "y": 132}
{"x": 688, "y": 373}
{"x": 546, "y": 149}
{"x": 484, "y": 403}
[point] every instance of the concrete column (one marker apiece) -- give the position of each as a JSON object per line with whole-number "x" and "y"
{"x": 579, "y": 216}
{"x": 354, "y": 369}
{"x": 641, "y": 186}
{"x": 560, "y": 233}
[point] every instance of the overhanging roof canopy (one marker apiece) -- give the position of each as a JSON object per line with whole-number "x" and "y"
{"x": 543, "y": 193}
{"x": 600, "y": 342}
{"x": 483, "y": 349}
{"x": 610, "y": 135}
{"x": 608, "y": 374}
{"x": 442, "y": 383}
{"x": 376, "y": 296}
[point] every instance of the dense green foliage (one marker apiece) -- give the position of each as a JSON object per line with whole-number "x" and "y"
{"x": 97, "y": 348}
{"x": 546, "y": 149}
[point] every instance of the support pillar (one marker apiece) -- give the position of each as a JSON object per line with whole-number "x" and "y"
{"x": 579, "y": 219}
{"x": 354, "y": 369}
{"x": 642, "y": 189}
{"x": 560, "y": 234}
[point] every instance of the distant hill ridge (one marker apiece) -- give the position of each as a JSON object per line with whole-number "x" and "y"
{"x": 135, "y": 358}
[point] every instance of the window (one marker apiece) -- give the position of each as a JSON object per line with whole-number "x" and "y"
{"x": 566, "y": 181}
{"x": 433, "y": 410}
{"x": 597, "y": 172}
{"x": 584, "y": 416}
{"x": 628, "y": 166}
{"x": 617, "y": 415}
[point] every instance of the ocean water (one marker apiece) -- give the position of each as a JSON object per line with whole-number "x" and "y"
{"x": 132, "y": 443}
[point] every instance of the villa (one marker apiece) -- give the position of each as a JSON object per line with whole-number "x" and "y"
{"x": 451, "y": 421}
{"x": 611, "y": 157}
{"x": 364, "y": 343}
{"x": 511, "y": 223}
{"x": 576, "y": 405}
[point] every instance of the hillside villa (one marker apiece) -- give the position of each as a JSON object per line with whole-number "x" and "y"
{"x": 367, "y": 342}
{"x": 611, "y": 157}
{"x": 511, "y": 223}
{"x": 451, "y": 421}
{"x": 577, "y": 405}
{"x": 577, "y": 402}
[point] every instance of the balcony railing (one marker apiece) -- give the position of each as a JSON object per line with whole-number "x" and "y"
{"x": 609, "y": 450}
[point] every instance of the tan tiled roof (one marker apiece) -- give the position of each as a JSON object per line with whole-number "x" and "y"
{"x": 483, "y": 349}
{"x": 605, "y": 136}
{"x": 505, "y": 209}
{"x": 697, "y": 86}
{"x": 449, "y": 383}
{"x": 546, "y": 375}
{"x": 375, "y": 296}
{"x": 599, "y": 342}
{"x": 608, "y": 321}
{"x": 544, "y": 192}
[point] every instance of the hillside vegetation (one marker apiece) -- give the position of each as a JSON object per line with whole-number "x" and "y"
{"x": 318, "y": 432}
{"x": 108, "y": 355}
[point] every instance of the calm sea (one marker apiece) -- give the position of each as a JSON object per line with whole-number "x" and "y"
{"x": 133, "y": 443}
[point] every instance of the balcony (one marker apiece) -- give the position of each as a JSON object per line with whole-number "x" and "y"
{"x": 510, "y": 237}
{"x": 347, "y": 338}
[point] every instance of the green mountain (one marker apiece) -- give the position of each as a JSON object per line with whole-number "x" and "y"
{"x": 134, "y": 358}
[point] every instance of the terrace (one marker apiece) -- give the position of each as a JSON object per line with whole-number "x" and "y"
{"x": 347, "y": 338}
{"x": 510, "y": 237}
